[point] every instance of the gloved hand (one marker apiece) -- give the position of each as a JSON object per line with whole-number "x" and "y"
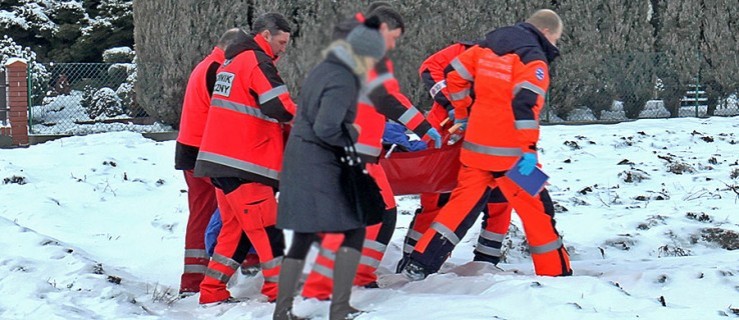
{"x": 451, "y": 113}
{"x": 527, "y": 164}
{"x": 434, "y": 135}
{"x": 463, "y": 123}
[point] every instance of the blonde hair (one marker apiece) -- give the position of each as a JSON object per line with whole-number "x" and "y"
{"x": 359, "y": 64}
{"x": 546, "y": 19}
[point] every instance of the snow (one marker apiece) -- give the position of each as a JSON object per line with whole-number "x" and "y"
{"x": 64, "y": 114}
{"x": 93, "y": 228}
{"x": 14, "y": 60}
{"x": 654, "y": 109}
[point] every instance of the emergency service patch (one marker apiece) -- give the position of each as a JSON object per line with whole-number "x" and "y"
{"x": 437, "y": 87}
{"x": 540, "y": 73}
{"x": 224, "y": 80}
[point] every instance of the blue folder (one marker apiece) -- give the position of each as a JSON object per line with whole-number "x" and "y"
{"x": 532, "y": 184}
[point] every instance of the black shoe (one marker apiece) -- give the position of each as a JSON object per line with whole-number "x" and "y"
{"x": 372, "y": 285}
{"x": 415, "y": 271}
{"x": 401, "y": 264}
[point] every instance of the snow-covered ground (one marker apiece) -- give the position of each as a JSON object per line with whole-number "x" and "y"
{"x": 65, "y": 115}
{"x": 92, "y": 228}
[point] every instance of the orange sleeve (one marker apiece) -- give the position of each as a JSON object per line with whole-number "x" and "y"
{"x": 460, "y": 79}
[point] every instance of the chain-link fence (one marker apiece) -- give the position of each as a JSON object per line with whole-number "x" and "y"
{"x": 620, "y": 87}
{"x": 80, "y": 98}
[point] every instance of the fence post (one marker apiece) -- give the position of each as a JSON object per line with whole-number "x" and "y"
{"x": 17, "y": 75}
{"x": 29, "y": 76}
{"x": 697, "y": 82}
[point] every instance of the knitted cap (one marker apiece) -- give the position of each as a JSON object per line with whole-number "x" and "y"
{"x": 367, "y": 42}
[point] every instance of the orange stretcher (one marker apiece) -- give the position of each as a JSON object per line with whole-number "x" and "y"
{"x": 427, "y": 171}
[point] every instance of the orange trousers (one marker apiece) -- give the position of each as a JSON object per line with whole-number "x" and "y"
{"x": 319, "y": 283}
{"x": 201, "y": 200}
{"x": 537, "y": 215}
{"x": 496, "y": 219}
{"x": 249, "y": 214}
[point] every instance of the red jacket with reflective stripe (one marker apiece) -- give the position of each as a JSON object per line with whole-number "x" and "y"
{"x": 380, "y": 101}
{"x": 243, "y": 135}
{"x": 509, "y": 75}
{"x": 433, "y": 72}
{"x": 195, "y": 109}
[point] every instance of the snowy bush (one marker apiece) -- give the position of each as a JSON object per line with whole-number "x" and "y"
{"x": 551, "y": 117}
{"x": 118, "y": 55}
{"x": 654, "y": 109}
{"x": 27, "y": 15}
{"x": 127, "y": 93}
{"x": 616, "y": 113}
{"x": 728, "y": 106}
{"x": 103, "y": 102}
{"x": 39, "y": 75}
{"x": 690, "y": 111}
{"x": 581, "y": 114}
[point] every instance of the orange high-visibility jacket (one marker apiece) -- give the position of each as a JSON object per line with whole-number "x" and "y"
{"x": 195, "y": 109}
{"x": 243, "y": 136}
{"x": 382, "y": 100}
{"x": 509, "y": 75}
{"x": 433, "y": 72}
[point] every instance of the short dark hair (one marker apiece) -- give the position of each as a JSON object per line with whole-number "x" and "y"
{"x": 272, "y": 21}
{"x": 230, "y": 37}
{"x": 389, "y": 16}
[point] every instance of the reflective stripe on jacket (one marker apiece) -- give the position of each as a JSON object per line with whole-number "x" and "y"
{"x": 509, "y": 75}
{"x": 433, "y": 71}
{"x": 243, "y": 135}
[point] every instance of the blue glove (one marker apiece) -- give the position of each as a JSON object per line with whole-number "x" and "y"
{"x": 527, "y": 164}
{"x": 451, "y": 113}
{"x": 434, "y": 135}
{"x": 462, "y": 121}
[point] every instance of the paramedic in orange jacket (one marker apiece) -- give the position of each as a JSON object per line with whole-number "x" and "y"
{"x": 508, "y": 73}
{"x": 242, "y": 151}
{"x": 497, "y": 213}
{"x": 201, "y": 196}
{"x": 382, "y": 100}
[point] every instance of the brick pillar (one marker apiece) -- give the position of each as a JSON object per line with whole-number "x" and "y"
{"x": 17, "y": 74}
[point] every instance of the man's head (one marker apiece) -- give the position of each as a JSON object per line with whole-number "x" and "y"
{"x": 274, "y": 28}
{"x": 549, "y": 23}
{"x": 230, "y": 37}
{"x": 391, "y": 25}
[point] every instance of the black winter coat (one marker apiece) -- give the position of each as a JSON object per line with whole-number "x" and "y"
{"x": 311, "y": 199}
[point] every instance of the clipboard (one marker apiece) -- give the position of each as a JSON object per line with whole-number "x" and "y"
{"x": 532, "y": 184}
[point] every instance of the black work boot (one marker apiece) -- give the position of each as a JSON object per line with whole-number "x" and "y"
{"x": 290, "y": 272}
{"x": 415, "y": 271}
{"x": 345, "y": 268}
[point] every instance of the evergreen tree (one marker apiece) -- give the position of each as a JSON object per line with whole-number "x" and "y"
{"x": 112, "y": 27}
{"x": 168, "y": 49}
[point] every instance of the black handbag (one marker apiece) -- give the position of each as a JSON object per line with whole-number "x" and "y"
{"x": 359, "y": 187}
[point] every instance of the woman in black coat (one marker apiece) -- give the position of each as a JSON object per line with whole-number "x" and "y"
{"x": 311, "y": 199}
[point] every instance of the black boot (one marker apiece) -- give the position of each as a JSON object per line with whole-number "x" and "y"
{"x": 290, "y": 272}
{"x": 415, "y": 271}
{"x": 345, "y": 268}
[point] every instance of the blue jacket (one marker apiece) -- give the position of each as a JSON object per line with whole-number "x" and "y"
{"x": 395, "y": 134}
